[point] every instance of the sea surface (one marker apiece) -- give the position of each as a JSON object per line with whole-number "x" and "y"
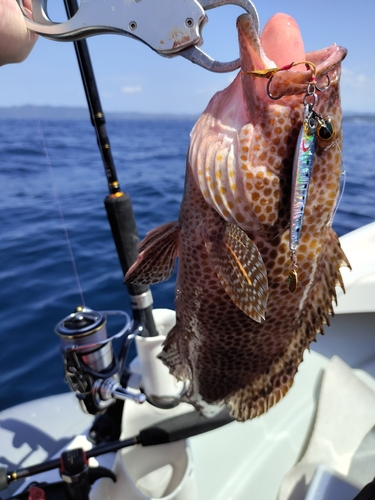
{"x": 50, "y": 168}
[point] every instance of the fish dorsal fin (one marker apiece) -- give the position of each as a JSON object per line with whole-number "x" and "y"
{"x": 240, "y": 269}
{"x": 158, "y": 252}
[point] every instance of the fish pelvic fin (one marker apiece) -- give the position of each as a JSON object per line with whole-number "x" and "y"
{"x": 240, "y": 269}
{"x": 158, "y": 253}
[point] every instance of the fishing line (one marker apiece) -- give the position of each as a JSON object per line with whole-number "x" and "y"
{"x": 61, "y": 214}
{"x": 342, "y": 188}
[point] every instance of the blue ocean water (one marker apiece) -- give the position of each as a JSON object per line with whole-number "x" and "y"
{"x": 38, "y": 285}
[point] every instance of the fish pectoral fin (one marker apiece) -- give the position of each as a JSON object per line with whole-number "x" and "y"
{"x": 158, "y": 252}
{"x": 240, "y": 269}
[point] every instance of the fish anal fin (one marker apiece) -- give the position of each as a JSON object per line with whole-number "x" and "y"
{"x": 158, "y": 252}
{"x": 240, "y": 269}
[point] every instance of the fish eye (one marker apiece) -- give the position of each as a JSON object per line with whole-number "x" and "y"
{"x": 326, "y": 132}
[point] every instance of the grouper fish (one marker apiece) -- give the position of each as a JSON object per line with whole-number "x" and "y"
{"x": 241, "y": 333}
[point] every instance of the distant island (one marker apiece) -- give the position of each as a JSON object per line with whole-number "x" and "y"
{"x": 353, "y": 117}
{"x": 31, "y": 112}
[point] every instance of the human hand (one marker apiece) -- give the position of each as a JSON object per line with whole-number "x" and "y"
{"x": 16, "y": 41}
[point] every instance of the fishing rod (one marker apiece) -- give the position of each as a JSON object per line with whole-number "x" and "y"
{"x": 174, "y": 429}
{"x": 118, "y": 204}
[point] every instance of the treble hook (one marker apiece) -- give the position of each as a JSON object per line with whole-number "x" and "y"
{"x": 270, "y": 95}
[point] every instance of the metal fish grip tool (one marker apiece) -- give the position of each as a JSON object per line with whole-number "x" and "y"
{"x": 169, "y": 27}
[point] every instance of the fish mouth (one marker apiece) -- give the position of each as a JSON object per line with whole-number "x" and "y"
{"x": 279, "y": 45}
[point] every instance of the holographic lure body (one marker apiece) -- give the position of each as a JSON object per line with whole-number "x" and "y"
{"x": 302, "y": 166}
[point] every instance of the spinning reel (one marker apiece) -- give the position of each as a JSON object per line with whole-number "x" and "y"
{"x": 91, "y": 366}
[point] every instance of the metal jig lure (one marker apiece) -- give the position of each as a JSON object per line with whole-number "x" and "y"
{"x": 302, "y": 166}
{"x": 312, "y": 125}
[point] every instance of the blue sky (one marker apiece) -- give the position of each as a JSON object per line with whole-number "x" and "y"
{"x": 133, "y": 78}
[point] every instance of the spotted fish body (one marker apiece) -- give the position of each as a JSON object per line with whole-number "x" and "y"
{"x": 240, "y": 334}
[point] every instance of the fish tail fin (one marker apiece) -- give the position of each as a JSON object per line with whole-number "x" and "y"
{"x": 158, "y": 252}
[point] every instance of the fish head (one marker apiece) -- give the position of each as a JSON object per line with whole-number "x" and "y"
{"x": 242, "y": 147}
